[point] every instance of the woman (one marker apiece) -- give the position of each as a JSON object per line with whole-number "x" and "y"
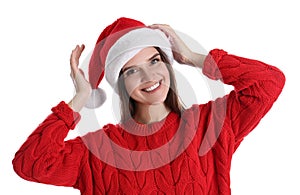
{"x": 159, "y": 147}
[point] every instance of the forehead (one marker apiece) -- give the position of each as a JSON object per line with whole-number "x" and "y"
{"x": 141, "y": 57}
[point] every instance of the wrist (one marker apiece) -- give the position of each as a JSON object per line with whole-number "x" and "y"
{"x": 78, "y": 101}
{"x": 197, "y": 59}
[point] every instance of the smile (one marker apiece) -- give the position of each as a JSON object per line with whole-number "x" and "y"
{"x": 152, "y": 88}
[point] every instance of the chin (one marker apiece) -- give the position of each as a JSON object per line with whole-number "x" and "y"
{"x": 158, "y": 102}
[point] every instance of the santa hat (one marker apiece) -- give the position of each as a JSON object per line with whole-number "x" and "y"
{"x": 116, "y": 45}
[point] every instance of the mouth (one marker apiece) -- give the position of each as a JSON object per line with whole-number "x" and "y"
{"x": 152, "y": 88}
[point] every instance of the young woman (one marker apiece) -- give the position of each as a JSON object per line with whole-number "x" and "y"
{"x": 159, "y": 146}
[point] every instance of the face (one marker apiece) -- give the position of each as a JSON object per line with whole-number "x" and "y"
{"x": 146, "y": 77}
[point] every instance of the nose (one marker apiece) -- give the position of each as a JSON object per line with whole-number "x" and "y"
{"x": 147, "y": 75}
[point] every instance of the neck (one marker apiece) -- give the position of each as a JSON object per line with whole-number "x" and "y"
{"x": 147, "y": 114}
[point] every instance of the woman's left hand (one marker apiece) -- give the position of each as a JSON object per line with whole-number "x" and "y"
{"x": 181, "y": 52}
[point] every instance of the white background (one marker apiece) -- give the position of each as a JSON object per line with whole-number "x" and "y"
{"x": 38, "y": 36}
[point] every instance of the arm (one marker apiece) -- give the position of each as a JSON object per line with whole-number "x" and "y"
{"x": 82, "y": 86}
{"x": 256, "y": 87}
{"x": 45, "y": 157}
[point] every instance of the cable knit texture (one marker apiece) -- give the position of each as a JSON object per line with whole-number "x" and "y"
{"x": 212, "y": 133}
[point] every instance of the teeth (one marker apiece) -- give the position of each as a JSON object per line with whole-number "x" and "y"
{"x": 152, "y": 87}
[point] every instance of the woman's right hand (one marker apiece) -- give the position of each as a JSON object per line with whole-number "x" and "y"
{"x": 82, "y": 86}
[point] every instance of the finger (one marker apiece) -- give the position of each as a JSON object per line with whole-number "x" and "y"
{"x": 159, "y": 26}
{"x": 76, "y": 53}
{"x": 162, "y": 27}
{"x": 79, "y": 49}
{"x": 156, "y": 26}
{"x": 73, "y": 53}
{"x": 82, "y": 47}
{"x": 74, "y": 59}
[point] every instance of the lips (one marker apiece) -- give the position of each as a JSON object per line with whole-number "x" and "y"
{"x": 152, "y": 88}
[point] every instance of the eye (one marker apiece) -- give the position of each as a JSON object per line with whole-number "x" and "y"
{"x": 155, "y": 61}
{"x": 130, "y": 71}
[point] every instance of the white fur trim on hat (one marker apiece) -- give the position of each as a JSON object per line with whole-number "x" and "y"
{"x": 129, "y": 45}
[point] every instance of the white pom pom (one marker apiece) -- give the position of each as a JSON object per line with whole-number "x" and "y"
{"x": 96, "y": 99}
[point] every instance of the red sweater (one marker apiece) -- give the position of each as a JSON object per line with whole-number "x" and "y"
{"x": 201, "y": 142}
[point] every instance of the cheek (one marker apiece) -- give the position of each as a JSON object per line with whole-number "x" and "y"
{"x": 166, "y": 76}
{"x": 130, "y": 85}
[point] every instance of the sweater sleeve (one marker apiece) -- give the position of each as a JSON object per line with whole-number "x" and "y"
{"x": 45, "y": 157}
{"x": 257, "y": 85}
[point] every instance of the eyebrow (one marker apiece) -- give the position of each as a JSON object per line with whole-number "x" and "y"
{"x": 154, "y": 56}
{"x": 151, "y": 58}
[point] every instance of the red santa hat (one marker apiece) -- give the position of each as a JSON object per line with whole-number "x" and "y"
{"x": 116, "y": 45}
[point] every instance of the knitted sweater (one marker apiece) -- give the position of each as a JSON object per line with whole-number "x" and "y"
{"x": 189, "y": 154}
